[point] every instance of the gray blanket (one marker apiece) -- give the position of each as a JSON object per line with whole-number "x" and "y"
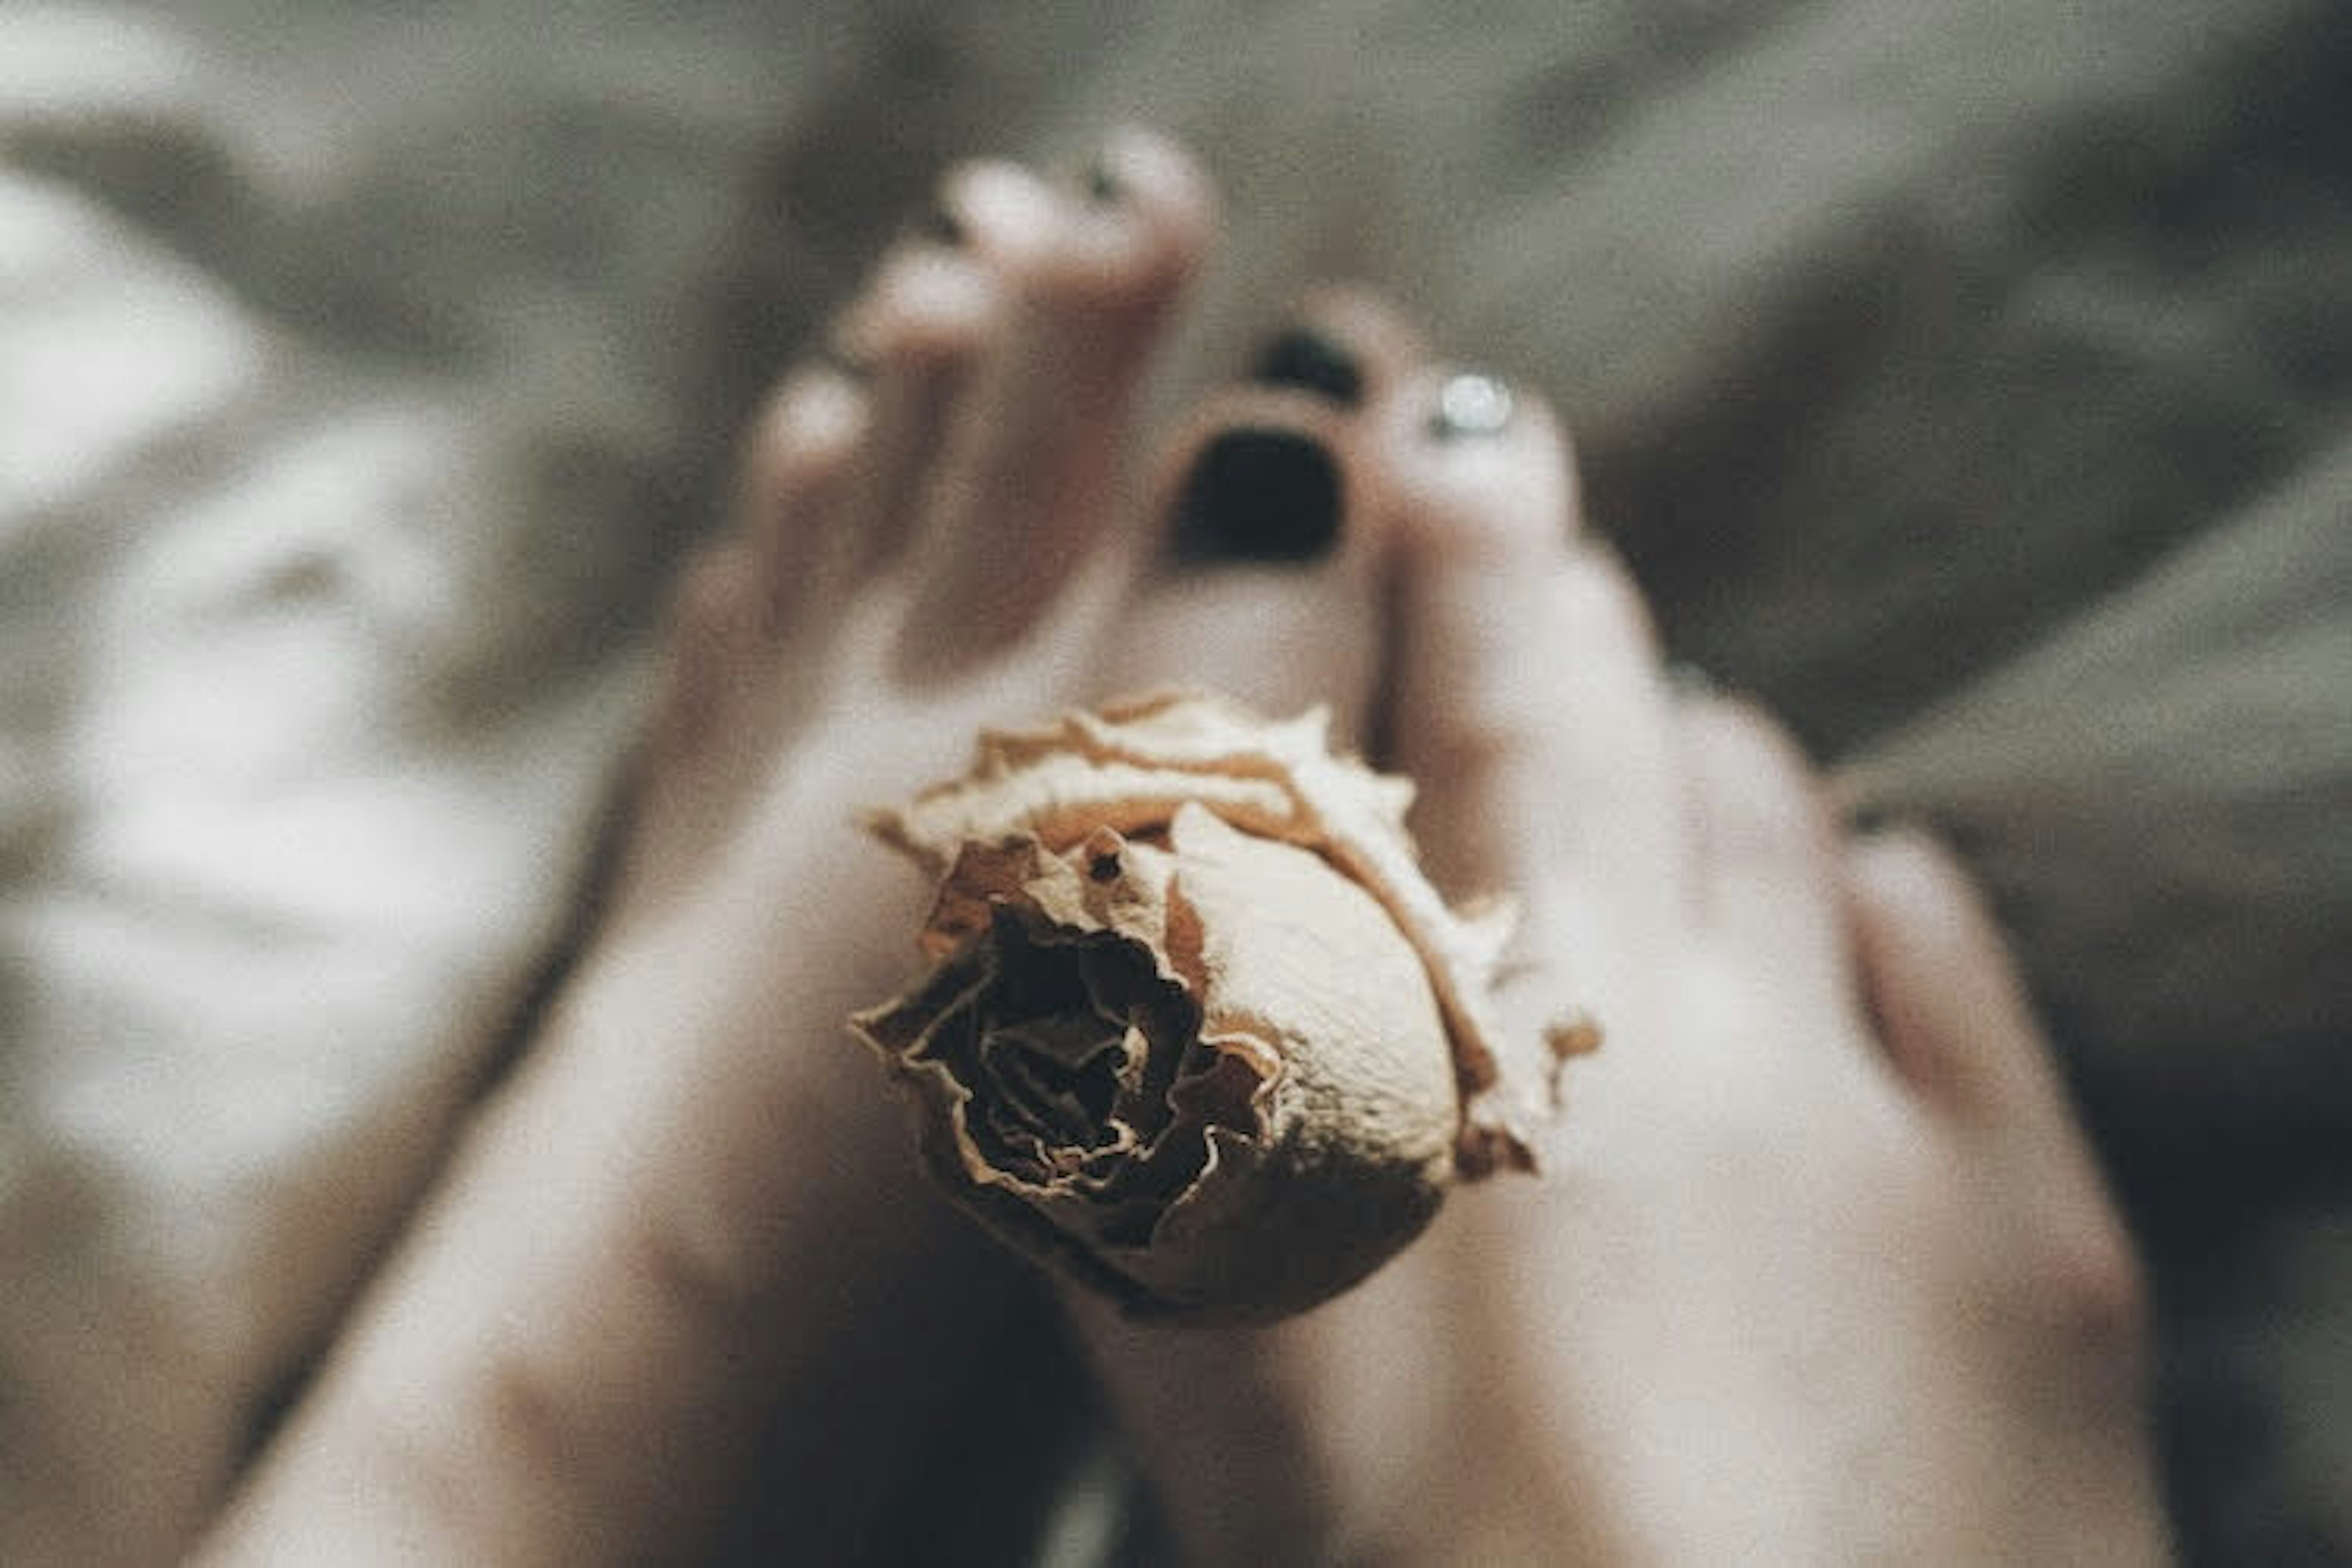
{"x": 1968, "y": 378}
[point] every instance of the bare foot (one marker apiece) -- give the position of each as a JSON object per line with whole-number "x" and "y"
{"x": 689, "y": 1219}
{"x": 1823, "y": 1272}
{"x": 688, "y": 1224}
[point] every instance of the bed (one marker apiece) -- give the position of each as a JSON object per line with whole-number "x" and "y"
{"x": 1969, "y": 379}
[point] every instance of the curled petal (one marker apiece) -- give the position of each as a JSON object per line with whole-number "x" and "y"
{"x": 1196, "y": 1027}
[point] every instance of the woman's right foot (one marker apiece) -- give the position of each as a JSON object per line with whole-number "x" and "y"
{"x": 1823, "y": 1271}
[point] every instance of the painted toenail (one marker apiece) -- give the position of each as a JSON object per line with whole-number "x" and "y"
{"x": 847, "y": 363}
{"x": 1687, "y": 680}
{"x": 1307, "y": 360}
{"x": 1104, "y": 187}
{"x": 1259, "y": 495}
{"x": 1872, "y": 819}
{"x": 941, "y": 227}
{"x": 1470, "y": 404}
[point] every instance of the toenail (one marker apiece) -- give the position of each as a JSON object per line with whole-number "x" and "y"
{"x": 1470, "y": 404}
{"x": 1872, "y": 819}
{"x": 847, "y": 363}
{"x": 1104, "y": 187}
{"x": 1259, "y": 495}
{"x": 941, "y": 227}
{"x": 1689, "y": 681}
{"x": 1307, "y": 360}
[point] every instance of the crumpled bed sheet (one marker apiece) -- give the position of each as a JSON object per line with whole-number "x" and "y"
{"x": 1968, "y": 379}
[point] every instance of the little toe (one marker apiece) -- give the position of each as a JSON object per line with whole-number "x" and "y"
{"x": 1028, "y": 477}
{"x": 1524, "y": 692}
{"x": 1954, "y": 1019}
{"x": 1937, "y": 976}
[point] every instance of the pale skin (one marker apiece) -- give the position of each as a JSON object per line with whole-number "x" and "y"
{"x": 1823, "y": 1271}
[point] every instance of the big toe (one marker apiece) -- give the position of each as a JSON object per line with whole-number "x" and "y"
{"x": 1268, "y": 577}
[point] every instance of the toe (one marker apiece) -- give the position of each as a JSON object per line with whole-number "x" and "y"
{"x": 1524, "y": 694}
{"x": 1268, "y": 592}
{"x": 1146, "y": 213}
{"x": 1028, "y": 477}
{"x": 1763, "y": 850}
{"x": 1937, "y": 978}
{"x": 914, "y": 336}
{"x": 1955, "y": 1021}
{"x": 801, "y": 445}
{"x": 715, "y": 620}
{"x": 1267, "y": 580}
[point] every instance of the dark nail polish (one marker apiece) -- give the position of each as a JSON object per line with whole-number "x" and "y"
{"x": 1689, "y": 681}
{"x": 1869, "y": 819}
{"x": 941, "y": 227}
{"x": 1259, "y": 495}
{"x": 1104, "y": 187}
{"x": 1307, "y": 360}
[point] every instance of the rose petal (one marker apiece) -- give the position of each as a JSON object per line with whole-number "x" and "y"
{"x": 1197, "y": 1025}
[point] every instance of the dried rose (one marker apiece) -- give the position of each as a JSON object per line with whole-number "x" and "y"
{"x": 1197, "y": 1027}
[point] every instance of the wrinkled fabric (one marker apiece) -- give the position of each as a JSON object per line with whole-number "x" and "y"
{"x": 1969, "y": 380}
